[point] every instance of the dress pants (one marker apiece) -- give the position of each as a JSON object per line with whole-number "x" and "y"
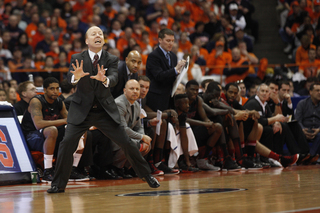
{"x": 108, "y": 127}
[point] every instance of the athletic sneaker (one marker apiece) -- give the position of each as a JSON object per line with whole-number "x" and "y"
{"x": 155, "y": 171}
{"x": 230, "y": 165}
{"x": 204, "y": 164}
{"x": 248, "y": 163}
{"x": 288, "y": 160}
{"x": 274, "y": 163}
{"x": 47, "y": 175}
{"x": 76, "y": 176}
{"x": 167, "y": 170}
{"x": 184, "y": 168}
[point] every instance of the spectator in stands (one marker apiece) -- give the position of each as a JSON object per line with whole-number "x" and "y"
{"x": 38, "y": 81}
{"x": 12, "y": 97}
{"x": 187, "y": 24}
{"x": 26, "y": 91}
{"x": 308, "y": 114}
{"x": 200, "y": 33}
{"x": 5, "y": 73}
{"x": 302, "y": 51}
{"x": 66, "y": 11}
{"x": 5, "y": 54}
{"x": 41, "y": 121}
{"x": 16, "y": 61}
{"x": 184, "y": 43}
{"x": 38, "y": 36}
{"x": 219, "y": 58}
{"x": 46, "y": 42}
{"x": 76, "y": 28}
{"x": 33, "y": 26}
{"x": 56, "y": 30}
{"x": 240, "y": 36}
{"x": 24, "y": 46}
{"x": 162, "y": 69}
{"x": 237, "y": 69}
{"x": 13, "y": 28}
{"x": 213, "y": 26}
{"x": 165, "y": 19}
{"x": 154, "y": 11}
{"x": 3, "y": 95}
{"x": 242, "y": 93}
{"x": 311, "y": 66}
{"x": 7, "y": 42}
{"x": 61, "y": 23}
{"x": 237, "y": 18}
{"x": 123, "y": 42}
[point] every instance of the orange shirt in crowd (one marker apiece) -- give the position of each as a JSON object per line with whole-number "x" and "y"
{"x": 122, "y": 44}
{"x": 14, "y": 66}
{"x": 170, "y": 21}
{"x": 310, "y": 69}
{"x": 35, "y": 39}
{"x": 185, "y": 5}
{"x": 54, "y": 55}
{"x": 170, "y": 8}
{"x": 221, "y": 60}
{"x": 236, "y": 77}
{"x": 302, "y": 54}
{"x": 187, "y": 27}
{"x": 31, "y": 29}
{"x": 71, "y": 52}
{"x": 114, "y": 36}
{"x": 39, "y": 65}
{"x": 251, "y": 67}
{"x": 153, "y": 38}
{"x": 185, "y": 47}
{"x": 243, "y": 100}
{"x": 86, "y": 9}
{"x": 203, "y": 53}
{"x": 197, "y": 13}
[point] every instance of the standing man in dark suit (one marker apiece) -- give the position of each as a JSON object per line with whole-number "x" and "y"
{"x": 162, "y": 69}
{"x": 93, "y": 105}
{"x": 127, "y": 70}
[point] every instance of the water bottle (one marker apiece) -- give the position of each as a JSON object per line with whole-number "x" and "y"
{"x": 30, "y": 77}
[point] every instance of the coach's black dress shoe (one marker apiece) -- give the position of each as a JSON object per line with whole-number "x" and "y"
{"x": 55, "y": 189}
{"x": 152, "y": 181}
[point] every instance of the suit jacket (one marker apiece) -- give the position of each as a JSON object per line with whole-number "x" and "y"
{"x": 122, "y": 79}
{"x": 253, "y": 104}
{"x": 133, "y": 126}
{"x": 88, "y": 88}
{"x": 162, "y": 77}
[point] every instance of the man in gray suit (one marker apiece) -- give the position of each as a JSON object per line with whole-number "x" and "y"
{"x": 129, "y": 110}
{"x": 95, "y": 71}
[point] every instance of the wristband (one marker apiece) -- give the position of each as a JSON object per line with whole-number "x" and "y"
{"x": 105, "y": 81}
{"x": 278, "y": 104}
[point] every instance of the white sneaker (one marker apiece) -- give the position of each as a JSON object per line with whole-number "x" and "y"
{"x": 203, "y": 164}
{"x": 274, "y": 163}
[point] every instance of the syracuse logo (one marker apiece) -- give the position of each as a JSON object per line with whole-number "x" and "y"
{"x": 8, "y": 160}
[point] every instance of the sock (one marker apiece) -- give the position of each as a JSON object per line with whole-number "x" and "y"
{"x": 47, "y": 159}
{"x": 220, "y": 154}
{"x": 232, "y": 153}
{"x": 76, "y": 159}
{"x": 274, "y": 156}
{"x": 207, "y": 151}
{"x": 237, "y": 147}
{"x": 150, "y": 156}
{"x": 251, "y": 148}
{"x": 202, "y": 152}
{"x": 243, "y": 147}
{"x": 157, "y": 155}
{"x": 224, "y": 149}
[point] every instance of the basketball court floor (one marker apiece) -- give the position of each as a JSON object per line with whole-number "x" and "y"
{"x": 294, "y": 189}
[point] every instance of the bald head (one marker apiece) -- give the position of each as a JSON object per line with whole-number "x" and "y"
{"x": 133, "y": 61}
{"x": 132, "y": 90}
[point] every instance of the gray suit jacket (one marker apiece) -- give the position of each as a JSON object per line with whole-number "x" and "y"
{"x": 133, "y": 126}
{"x": 88, "y": 88}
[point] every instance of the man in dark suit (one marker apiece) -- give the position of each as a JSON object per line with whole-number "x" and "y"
{"x": 93, "y": 105}
{"x": 274, "y": 134}
{"x": 162, "y": 69}
{"x": 127, "y": 70}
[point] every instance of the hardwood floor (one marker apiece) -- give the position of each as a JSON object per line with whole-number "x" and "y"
{"x": 295, "y": 189}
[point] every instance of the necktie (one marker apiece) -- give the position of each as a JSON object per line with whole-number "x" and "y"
{"x": 168, "y": 58}
{"x": 95, "y": 61}
{"x": 132, "y": 111}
